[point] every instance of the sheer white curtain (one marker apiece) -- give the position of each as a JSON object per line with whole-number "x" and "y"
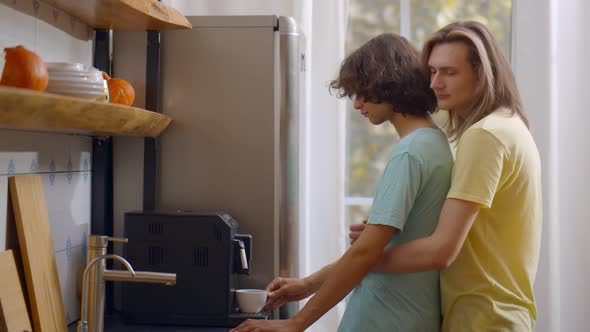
{"x": 324, "y": 239}
{"x": 551, "y": 55}
{"x": 322, "y": 133}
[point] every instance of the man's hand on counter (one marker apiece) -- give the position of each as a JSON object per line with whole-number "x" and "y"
{"x": 259, "y": 325}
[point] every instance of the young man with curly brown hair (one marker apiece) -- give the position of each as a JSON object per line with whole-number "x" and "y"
{"x": 387, "y": 84}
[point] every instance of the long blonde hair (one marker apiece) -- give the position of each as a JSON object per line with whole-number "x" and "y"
{"x": 496, "y": 86}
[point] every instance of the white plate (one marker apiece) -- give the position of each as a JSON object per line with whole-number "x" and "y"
{"x": 87, "y": 78}
{"x": 83, "y": 91}
{"x": 94, "y": 75}
{"x": 89, "y": 96}
{"x": 66, "y": 66}
{"x": 75, "y": 85}
{"x": 76, "y": 75}
{"x": 77, "y": 89}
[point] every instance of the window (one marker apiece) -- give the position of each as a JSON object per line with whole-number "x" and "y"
{"x": 368, "y": 146}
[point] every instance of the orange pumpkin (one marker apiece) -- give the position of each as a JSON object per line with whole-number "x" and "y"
{"x": 24, "y": 69}
{"x": 120, "y": 91}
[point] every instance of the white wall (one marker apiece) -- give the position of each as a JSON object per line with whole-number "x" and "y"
{"x": 551, "y": 65}
{"x": 63, "y": 161}
{"x": 531, "y": 58}
{"x": 570, "y": 58}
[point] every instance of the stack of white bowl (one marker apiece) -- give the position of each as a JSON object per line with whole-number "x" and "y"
{"x": 76, "y": 80}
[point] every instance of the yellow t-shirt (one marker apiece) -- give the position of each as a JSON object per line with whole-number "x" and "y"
{"x": 489, "y": 287}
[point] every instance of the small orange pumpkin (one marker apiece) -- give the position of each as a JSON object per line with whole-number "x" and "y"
{"x": 120, "y": 91}
{"x": 24, "y": 69}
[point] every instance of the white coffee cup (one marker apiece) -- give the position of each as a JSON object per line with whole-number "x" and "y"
{"x": 251, "y": 301}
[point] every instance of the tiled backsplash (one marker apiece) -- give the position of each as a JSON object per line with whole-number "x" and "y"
{"x": 50, "y": 43}
{"x": 64, "y": 161}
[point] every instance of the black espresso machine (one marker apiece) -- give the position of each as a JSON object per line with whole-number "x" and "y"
{"x": 205, "y": 252}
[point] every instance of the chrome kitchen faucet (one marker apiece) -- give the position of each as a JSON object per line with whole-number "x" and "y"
{"x": 95, "y": 275}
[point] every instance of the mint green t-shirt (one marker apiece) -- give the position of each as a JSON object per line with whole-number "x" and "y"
{"x": 409, "y": 197}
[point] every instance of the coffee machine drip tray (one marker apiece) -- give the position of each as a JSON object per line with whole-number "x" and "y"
{"x": 238, "y": 317}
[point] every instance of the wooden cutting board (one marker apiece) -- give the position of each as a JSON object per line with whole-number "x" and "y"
{"x": 38, "y": 255}
{"x": 13, "y": 310}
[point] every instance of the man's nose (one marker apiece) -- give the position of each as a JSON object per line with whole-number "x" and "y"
{"x": 436, "y": 82}
{"x": 358, "y": 104}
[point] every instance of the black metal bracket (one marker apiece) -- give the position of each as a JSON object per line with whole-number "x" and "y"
{"x": 152, "y": 103}
{"x": 101, "y": 221}
{"x": 102, "y": 154}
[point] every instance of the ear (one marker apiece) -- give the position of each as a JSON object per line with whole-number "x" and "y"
{"x": 392, "y": 108}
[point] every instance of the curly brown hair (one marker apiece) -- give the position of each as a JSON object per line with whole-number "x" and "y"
{"x": 387, "y": 69}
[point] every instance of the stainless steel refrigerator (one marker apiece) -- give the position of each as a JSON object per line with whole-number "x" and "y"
{"x": 232, "y": 87}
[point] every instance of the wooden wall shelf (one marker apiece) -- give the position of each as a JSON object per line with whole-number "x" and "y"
{"x": 38, "y": 111}
{"x": 123, "y": 14}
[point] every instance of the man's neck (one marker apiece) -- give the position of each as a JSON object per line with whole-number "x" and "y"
{"x": 404, "y": 125}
